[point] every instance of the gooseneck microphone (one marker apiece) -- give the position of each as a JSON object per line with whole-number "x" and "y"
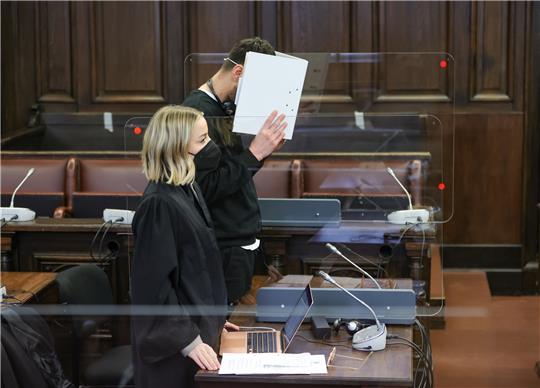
{"x": 337, "y": 252}
{"x": 393, "y": 175}
{"x": 30, "y": 172}
{"x": 13, "y": 213}
{"x": 371, "y": 338}
{"x": 410, "y": 216}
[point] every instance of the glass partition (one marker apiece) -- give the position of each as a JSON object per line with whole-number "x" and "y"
{"x": 379, "y": 144}
{"x": 359, "y": 106}
{"x": 365, "y": 148}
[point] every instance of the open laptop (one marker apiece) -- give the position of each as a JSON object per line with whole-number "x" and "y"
{"x": 255, "y": 341}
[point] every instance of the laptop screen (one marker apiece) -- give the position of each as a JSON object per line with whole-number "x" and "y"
{"x": 298, "y": 314}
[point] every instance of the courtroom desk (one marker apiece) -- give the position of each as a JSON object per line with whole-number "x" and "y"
{"x": 392, "y": 367}
{"x": 30, "y": 287}
{"x": 53, "y": 244}
{"x": 48, "y": 245}
{"x": 302, "y": 250}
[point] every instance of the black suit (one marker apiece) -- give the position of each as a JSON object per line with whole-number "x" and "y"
{"x": 177, "y": 265}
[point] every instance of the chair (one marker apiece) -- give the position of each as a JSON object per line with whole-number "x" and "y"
{"x": 107, "y": 183}
{"x": 44, "y": 192}
{"x": 87, "y": 284}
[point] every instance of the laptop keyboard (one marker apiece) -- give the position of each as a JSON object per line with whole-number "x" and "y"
{"x": 265, "y": 342}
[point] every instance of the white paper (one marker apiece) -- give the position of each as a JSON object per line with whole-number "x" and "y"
{"x": 318, "y": 364}
{"x": 269, "y": 82}
{"x": 107, "y": 121}
{"x": 359, "y": 119}
{"x": 271, "y": 363}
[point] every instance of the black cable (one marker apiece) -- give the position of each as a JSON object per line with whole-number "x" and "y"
{"x": 427, "y": 370}
{"x": 427, "y": 378}
{"x": 103, "y": 229}
{"x": 103, "y": 235}
{"x": 326, "y": 343}
{"x": 94, "y": 240}
{"x": 414, "y": 346}
{"x": 425, "y": 338}
{"x": 4, "y": 222}
{"x": 379, "y": 266}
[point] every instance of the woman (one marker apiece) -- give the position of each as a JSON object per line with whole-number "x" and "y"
{"x": 177, "y": 263}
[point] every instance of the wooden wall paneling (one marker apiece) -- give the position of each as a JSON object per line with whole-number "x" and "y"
{"x": 488, "y": 186}
{"x": 266, "y": 21}
{"x": 213, "y": 28}
{"x": 82, "y": 45}
{"x": 491, "y": 77}
{"x": 362, "y": 25}
{"x": 410, "y": 27}
{"x": 496, "y": 56}
{"x": 461, "y": 52}
{"x": 319, "y": 27}
{"x": 18, "y": 65}
{"x": 531, "y": 159}
{"x": 8, "y": 107}
{"x": 127, "y": 52}
{"x": 176, "y": 48}
{"x": 54, "y": 53}
{"x": 160, "y": 57}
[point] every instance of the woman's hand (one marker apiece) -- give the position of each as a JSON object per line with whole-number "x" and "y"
{"x": 230, "y": 326}
{"x": 205, "y": 357}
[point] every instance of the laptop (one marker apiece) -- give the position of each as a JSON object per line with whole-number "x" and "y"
{"x": 256, "y": 341}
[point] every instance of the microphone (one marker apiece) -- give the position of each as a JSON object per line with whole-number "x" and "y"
{"x": 371, "y": 338}
{"x": 118, "y": 216}
{"x": 337, "y": 252}
{"x": 410, "y": 216}
{"x": 13, "y": 213}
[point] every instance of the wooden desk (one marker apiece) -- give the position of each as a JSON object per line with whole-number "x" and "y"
{"x": 47, "y": 244}
{"x": 30, "y": 287}
{"x": 392, "y": 367}
{"x": 50, "y": 245}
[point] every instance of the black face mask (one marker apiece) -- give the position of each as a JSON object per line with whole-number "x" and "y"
{"x": 208, "y": 158}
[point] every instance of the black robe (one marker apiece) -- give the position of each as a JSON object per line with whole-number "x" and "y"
{"x": 177, "y": 265}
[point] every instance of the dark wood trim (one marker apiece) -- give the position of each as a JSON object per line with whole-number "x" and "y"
{"x": 481, "y": 256}
{"x": 266, "y": 21}
{"x": 501, "y": 263}
{"x": 23, "y": 135}
{"x": 531, "y": 159}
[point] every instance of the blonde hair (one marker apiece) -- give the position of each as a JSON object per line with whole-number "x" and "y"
{"x": 164, "y": 154}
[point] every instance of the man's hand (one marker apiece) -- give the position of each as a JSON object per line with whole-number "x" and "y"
{"x": 205, "y": 357}
{"x": 269, "y": 137}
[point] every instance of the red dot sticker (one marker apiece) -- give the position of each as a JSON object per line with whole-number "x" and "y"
{"x": 443, "y": 64}
{"x": 441, "y": 186}
{"x": 137, "y": 131}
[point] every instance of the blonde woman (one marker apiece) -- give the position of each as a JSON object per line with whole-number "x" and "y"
{"x": 176, "y": 263}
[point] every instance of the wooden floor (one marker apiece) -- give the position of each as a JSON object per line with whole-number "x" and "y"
{"x": 488, "y": 341}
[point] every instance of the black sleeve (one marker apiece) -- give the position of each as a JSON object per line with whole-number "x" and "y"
{"x": 154, "y": 273}
{"x": 232, "y": 172}
{"x": 228, "y": 177}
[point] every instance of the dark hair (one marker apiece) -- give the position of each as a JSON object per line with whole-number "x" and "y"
{"x": 239, "y": 50}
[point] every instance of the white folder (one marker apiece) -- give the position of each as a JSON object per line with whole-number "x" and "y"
{"x": 269, "y": 83}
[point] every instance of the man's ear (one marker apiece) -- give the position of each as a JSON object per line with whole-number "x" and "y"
{"x": 237, "y": 71}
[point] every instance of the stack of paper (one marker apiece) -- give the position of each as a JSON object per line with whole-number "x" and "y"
{"x": 272, "y": 363}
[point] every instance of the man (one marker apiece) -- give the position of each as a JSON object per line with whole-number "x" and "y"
{"x": 225, "y": 168}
